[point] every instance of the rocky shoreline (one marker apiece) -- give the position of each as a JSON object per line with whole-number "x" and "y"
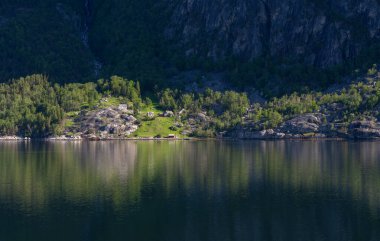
{"x": 116, "y": 124}
{"x": 312, "y": 126}
{"x": 14, "y": 138}
{"x": 119, "y": 123}
{"x": 302, "y": 127}
{"x": 265, "y": 138}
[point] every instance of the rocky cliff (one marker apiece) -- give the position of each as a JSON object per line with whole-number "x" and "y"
{"x": 147, "y": 39}
{"x": 323, "y": 33}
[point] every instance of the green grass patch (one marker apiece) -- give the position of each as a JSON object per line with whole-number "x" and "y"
{"x": 72, "y": 114}
{"x": 151, "y": 108}
{"x": 158, "y": 126}
{"x": 110, "y": 102}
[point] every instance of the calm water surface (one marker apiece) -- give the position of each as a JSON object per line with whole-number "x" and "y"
{"x": 174, "y": 191}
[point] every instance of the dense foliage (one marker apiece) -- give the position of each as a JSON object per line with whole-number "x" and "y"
{"x": 128, "y": 38}
{"x": 213, "y": 111}
{"x": 67, "y": 39}
{"x": 357, "y": 101}
{"x": 74, "y": 97}
{"x": 29, "y": 107}
{"x": 34, "y": 107}
{"x": 43, "y": 37}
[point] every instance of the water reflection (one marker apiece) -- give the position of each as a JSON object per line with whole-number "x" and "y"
{"x": 190, "y": 191}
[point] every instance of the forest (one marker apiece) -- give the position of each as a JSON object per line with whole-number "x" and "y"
{"x": 34, "y": 107}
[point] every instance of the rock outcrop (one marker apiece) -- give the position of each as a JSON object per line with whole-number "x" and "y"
{"x": 364, "y": 130}
{"x": 13, "y": 138}
{"x": 303, "y": 124}
{"x": 168, "y": 113}
{"x": 311, "y": 126}
{"x": 109, "y": 123}
{"x": 319, "y": 33}
{"x": 251, "y": 134}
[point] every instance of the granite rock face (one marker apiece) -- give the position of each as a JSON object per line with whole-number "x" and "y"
{"x": 311, "y": 126}
{"x": 364, "y": 130}
{"x": 108, "y": 35}
{"x": 108, "y": 123}
{"x": 319, "y": 33}
{"x": 308, "y": 123}
{"x": 261, "y": 135}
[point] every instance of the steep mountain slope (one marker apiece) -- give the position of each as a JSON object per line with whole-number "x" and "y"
{"x": 43, "y": 37}
{"x": 279, "y": 43}
{"x": 322, "y": 33}
{"x": 127, "y": 36}
{"x": 264, "y": 43}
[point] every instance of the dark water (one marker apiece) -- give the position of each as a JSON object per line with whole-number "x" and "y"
{"x": 290, "y": 191}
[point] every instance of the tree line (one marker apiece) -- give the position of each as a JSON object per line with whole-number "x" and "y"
{"x": 34, "y": 107}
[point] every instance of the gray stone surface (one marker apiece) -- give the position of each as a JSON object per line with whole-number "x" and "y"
{"x": 308, "y": 123}
{"x": 364, "y": 130}
{"x": 112, "y": 122}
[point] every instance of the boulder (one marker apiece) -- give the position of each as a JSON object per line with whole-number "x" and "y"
{"x": 308, "y": 123}
{"x": 168, "y": 113}
{"x": 131, "y": 119}
{"x": 123, "y": 108}
{"x": 93, "y": 138}
{"x": 182, "y": 112}
{"x": 150, "y": 114}
{"x": 364, "y": 130}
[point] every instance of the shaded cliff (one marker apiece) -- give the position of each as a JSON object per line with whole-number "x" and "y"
{"x": 268, "y": 44}
{"x": 320, "y": 33}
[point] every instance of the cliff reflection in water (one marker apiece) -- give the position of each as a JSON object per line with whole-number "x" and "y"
{"x": 199, "y": 190}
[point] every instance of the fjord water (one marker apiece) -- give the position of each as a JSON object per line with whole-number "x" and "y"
{"x": 205, "y": 190}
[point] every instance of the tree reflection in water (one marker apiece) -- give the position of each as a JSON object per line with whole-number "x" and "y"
{"x": 208, "y": 190}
